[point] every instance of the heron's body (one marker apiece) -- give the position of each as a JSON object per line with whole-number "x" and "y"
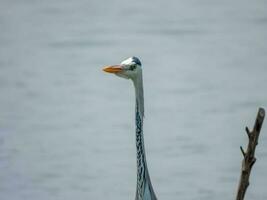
{"x": 131, "y": 69}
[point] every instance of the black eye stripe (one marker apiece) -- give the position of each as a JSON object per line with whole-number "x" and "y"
{"x": 132, "y": 67}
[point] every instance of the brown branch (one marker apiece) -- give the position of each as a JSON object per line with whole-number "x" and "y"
{"x": 249, "y": 158}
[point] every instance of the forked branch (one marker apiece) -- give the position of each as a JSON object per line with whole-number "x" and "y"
{"x": 249, "y": 155}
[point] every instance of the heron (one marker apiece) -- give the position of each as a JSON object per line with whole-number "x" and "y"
{"x": 131, "y": 69}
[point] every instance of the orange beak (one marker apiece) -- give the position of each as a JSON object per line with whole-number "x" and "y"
{"x": 113, "y": 69}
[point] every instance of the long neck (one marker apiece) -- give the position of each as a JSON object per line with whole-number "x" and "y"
{"x": 139, "y": 96}
{"x": 144, "y": 188}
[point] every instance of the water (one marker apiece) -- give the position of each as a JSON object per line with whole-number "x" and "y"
{"x": 66, "y": 128}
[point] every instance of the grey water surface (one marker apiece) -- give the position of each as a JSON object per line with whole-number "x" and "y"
{"x": 67, "y": 128}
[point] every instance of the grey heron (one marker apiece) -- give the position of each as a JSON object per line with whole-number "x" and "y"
{"x": 131, "y": 68}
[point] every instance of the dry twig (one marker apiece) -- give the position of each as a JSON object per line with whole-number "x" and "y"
{"x": 249, "y": 158}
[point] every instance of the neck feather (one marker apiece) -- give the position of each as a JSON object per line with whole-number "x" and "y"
{"x": 139, "y": 95}
{"x": 142, "y": 172}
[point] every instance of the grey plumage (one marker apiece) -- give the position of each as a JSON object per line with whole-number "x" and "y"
{"x": 131, "y": 69}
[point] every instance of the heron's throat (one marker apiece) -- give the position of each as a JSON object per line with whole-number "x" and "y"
{"x": 139, "y": 95}
{"x": 142, "y": 171}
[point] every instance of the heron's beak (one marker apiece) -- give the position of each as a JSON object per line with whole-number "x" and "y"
{"x": 113, "y": 69}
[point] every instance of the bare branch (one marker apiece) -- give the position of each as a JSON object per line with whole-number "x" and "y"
{"x": 249, "y": 157}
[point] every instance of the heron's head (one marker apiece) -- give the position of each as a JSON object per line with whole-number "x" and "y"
{"x": 129, "y": 68}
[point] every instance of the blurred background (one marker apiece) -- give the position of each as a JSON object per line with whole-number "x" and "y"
{"x": 67, "y": 128}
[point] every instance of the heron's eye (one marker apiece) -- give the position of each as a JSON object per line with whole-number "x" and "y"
{"x": 132, "y": 67}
